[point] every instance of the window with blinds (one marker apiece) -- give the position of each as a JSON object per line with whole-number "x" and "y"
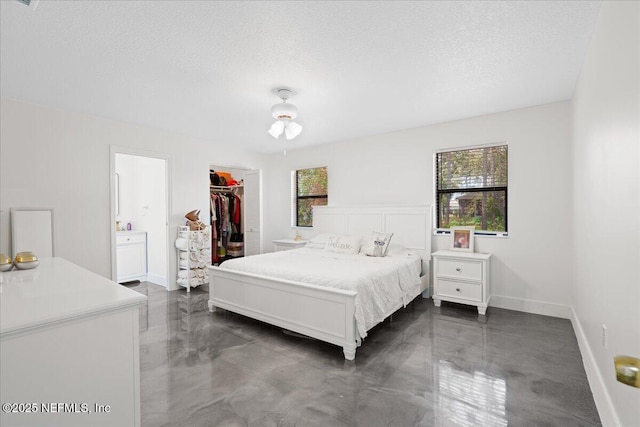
{"x": 471, "y": 188}
{"x": 310, "y": 190}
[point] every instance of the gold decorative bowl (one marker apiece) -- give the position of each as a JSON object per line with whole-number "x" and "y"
{"x": 26, "y": 260}
{"x": 5, "y": 263}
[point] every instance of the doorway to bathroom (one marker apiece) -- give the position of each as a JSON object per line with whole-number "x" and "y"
{"x": 140, "y": 206}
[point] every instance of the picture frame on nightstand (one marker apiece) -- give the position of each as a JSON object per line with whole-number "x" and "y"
{"x": 461, "y": 239}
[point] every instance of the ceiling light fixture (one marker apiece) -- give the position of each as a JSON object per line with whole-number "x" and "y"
{"x": 284, "y": 113}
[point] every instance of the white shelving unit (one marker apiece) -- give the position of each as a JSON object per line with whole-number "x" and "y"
{"x": 194, "y": 256}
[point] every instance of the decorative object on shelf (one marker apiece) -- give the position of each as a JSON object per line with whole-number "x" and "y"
{"x": 193, "y": 220}
{"x": 26, "y": 261}
{"x": 297, "y": 235}
{"x": 194, "y": 256}
{"x": 284, "y": 113}
{"x": 5, "y": 263}
{"x": 461, "y": 239}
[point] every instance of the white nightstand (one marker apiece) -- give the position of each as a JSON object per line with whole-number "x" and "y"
{"x": 287, "y": 244}
{"x": 462, "y": 277}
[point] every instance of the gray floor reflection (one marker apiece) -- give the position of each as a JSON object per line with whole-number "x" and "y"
{"x": 427, "y": 366}
{"x": 470, "y": 399}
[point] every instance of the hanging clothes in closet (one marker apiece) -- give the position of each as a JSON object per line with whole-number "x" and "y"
{"x": 226, "y": 207}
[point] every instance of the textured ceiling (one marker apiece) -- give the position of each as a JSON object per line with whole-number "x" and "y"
{"x": 208, "y": 69}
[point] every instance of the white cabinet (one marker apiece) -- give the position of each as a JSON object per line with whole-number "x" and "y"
{"x": 462, "y": 277}
{"x": 131, "y": 250}
{"x": 288, "y": 244}
{"x": 69, "y": 337}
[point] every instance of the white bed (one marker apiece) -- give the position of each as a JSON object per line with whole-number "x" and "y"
{"x": 312, "y": 298}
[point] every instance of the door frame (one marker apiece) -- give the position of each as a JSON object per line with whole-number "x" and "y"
{"x": 113, "y": 150}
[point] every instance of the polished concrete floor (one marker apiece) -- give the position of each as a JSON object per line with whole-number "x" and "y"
{"x": 425, "y": 366}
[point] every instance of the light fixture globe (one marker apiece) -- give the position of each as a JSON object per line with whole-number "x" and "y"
{"x": 276, "y": 129}
{"x": 292, "y": 129}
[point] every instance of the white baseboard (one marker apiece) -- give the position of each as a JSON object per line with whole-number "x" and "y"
{"x": 158, "y": 280}
{"x": 606, "y": 410}
{"x": 532, "y": 306}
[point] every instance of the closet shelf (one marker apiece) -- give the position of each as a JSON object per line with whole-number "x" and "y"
{"x": 221, "y": 188}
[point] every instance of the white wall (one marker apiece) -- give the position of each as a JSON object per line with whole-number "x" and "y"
{"x": 143, "y": 205}
{"x": 59, "y": 159}
{"x": 606, "y": 205}
{"x": 531, "y": 268}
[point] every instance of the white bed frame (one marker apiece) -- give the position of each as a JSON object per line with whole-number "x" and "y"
{"x": 316, "y": 311}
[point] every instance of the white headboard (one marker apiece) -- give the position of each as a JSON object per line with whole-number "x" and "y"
{"x": 410, "y": 225}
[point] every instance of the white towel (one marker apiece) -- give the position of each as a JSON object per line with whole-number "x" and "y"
{"x": 186, "y": 274}
{"x": 182, "y": 243}
{"x": 190, "y": 282}
{"x": 188, "y": 264}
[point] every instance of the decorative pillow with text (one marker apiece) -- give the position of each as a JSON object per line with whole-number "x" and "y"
{"x": 342, "y": 243}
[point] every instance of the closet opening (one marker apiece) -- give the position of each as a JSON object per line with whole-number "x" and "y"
{"x": 234, "y": 213}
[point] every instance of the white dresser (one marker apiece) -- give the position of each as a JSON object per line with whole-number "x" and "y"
{"x": 462, "y": 277}
{"x": 131, "y": 250}
{"x": 69, "y": 348}
{"x": 288, "y": 244}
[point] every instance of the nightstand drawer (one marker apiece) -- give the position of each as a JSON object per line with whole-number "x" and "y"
{"x": 454, "y": 289}
{"x": 124, "y": 239}
{"x": 459, "y": 269}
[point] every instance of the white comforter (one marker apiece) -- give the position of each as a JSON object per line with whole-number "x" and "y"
{"x": 381, "y": 283}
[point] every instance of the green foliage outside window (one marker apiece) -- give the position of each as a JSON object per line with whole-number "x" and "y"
{"x": 471, "y": 188}
{"x": 311, "y": 190}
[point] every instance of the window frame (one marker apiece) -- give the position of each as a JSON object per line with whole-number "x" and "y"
{"x": 296, "y": 197}
{"x": 446, "y": 231}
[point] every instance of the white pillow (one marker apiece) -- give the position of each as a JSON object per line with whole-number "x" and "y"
{"x": 395, "y": 250}
{"x": 318, "y": 242}
{"x": 377, "y": 245}
{"x": 342, "y": 243}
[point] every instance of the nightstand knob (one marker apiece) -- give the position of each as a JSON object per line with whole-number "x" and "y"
{"x": 458, "y": 269}
{"x": 457, "y": 289}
